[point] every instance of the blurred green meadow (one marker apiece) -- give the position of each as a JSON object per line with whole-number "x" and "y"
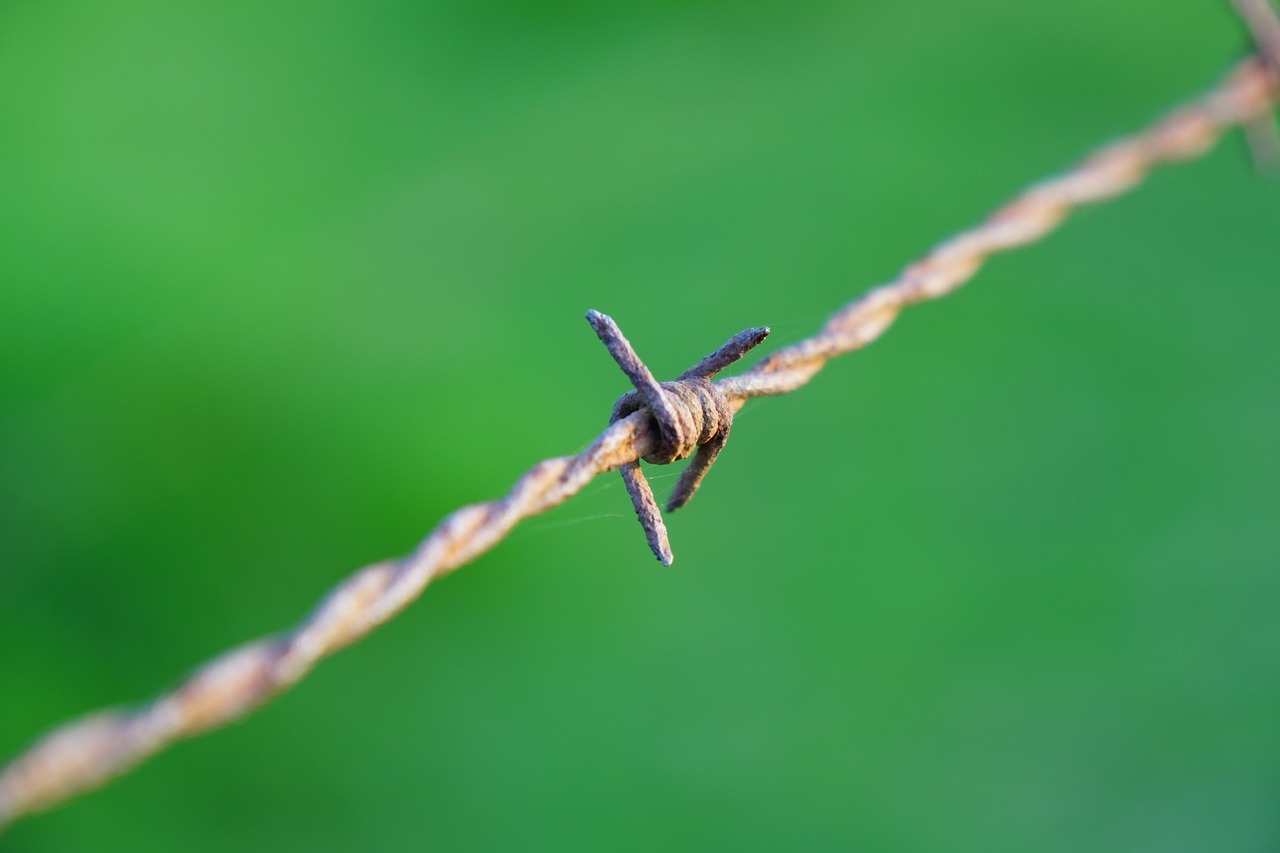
{"x": 283, "y": 283}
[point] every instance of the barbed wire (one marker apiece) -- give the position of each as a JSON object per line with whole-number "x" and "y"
{"x": 84, "y": 753}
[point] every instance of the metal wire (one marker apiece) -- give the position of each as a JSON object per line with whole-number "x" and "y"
{"x": 86, "y": 752}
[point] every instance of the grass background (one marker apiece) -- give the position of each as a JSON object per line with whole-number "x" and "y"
{"x": 275, "y": 278}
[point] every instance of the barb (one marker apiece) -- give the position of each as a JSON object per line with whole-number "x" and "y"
{"x": 1262, "y": 22}
{"x": 690, "y": 414}
{"x": 85, "y": 753}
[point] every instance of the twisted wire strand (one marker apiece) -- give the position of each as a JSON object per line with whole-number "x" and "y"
{"x": 86, "y": 752}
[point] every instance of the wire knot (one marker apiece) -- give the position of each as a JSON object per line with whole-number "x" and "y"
{"x": 692, "y": 415}
{"x": 702, "y": 414}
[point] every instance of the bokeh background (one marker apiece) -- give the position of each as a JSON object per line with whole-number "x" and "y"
{"x": 283, "y": 283}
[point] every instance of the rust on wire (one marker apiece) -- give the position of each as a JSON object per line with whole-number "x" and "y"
{"x": 690, "y": 414}
{"x": 85, "y": 753}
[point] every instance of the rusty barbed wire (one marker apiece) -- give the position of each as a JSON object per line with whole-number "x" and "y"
{"x": 87, "y": 752}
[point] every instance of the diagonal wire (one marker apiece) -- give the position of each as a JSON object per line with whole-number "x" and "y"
{"x": 87, "y": 752}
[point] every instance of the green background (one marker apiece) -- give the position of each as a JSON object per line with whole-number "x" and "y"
{"x": 283, "y": 283}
